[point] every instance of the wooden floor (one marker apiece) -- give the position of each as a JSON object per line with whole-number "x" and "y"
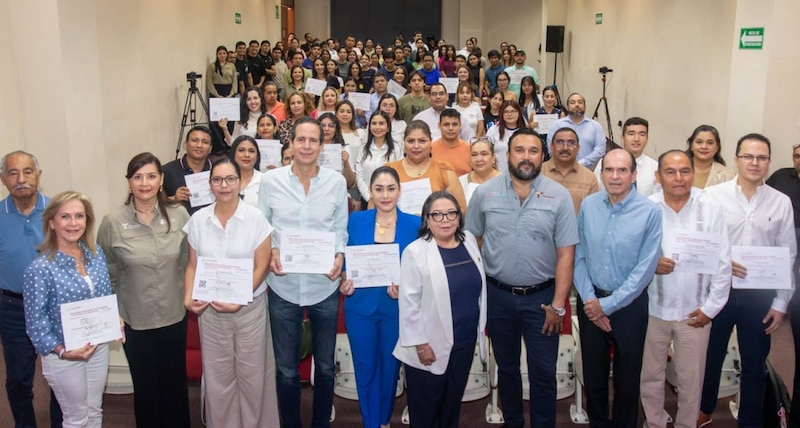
{"x": 118, "y": 409}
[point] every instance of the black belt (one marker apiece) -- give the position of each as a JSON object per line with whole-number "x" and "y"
{"x": 521, "y": 290}
{"x": 599, "y": 292}
{"x": 8, "y": 293}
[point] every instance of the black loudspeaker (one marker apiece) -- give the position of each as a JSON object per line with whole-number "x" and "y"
{"x": 555, "y": 38}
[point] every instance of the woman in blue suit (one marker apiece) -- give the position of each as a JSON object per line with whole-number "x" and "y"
{"x": 371, "y": 314}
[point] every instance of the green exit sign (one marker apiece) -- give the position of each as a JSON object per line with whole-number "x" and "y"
{"x": 237, "y": 17}
{"x": 598, "y": 18}
{"x": 751, "y": 38}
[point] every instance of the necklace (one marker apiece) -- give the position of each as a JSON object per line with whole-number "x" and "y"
{"x": 150, "y": 211}
{"x": 382, "y": 228}
{"x": 420, "y": 171}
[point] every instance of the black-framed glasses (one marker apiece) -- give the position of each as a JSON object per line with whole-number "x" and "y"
{"x": 439, "y": 216}
{"x": 229, "y": 180}
{"x": 748, "y": 158}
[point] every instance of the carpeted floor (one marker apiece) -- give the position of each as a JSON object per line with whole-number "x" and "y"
{"x": 118, "y": 409}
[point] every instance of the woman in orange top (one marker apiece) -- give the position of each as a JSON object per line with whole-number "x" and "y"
{"x": 418, "y": 165}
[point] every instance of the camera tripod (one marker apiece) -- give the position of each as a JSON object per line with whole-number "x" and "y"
{"x": 189, "y": 117}
{"x": 604, "y": 101}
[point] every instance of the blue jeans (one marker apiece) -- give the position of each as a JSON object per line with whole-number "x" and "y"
{"x": 745, "y": 309}
{"x": 510, "y": 318}
{"x": 20, "y": 365}
{"x": 286, "y": 319}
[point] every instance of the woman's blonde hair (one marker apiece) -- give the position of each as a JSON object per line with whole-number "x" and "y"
{"x": 50, "y": 244}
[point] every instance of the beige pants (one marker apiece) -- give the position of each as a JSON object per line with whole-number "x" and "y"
{"x": 234, "y": 349}
{"x": 689, "y": 358}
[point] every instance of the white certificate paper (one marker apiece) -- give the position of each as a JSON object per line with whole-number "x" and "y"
{"x": 545, "y": 121}
{"x": 223, "y": 108}
{"x": 515, "y": 76}
{"x": 413, "y": 195}
{"x": 223, "y": 280}
{"x": 396, "y": 89}
{"x": 373, "y": 265}
{"x": 92, "y": 321}
{"x": 450, "y": 83}
{"x": 360, "y": 100}
{"x": 200, "y": 188}
{"x": 331, "y": 157}
{"x": 315, "y": 86}
{"x": 270, "y": 151}
{"x": 307, "y": 251}
{"x": 768, "y": 268}
{"x": 694, "y": 252}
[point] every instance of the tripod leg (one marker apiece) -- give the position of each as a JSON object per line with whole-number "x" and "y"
{"x": 597, "y": 108}
{"x": 186, "y": 109}
{"x": 608, "y": 120}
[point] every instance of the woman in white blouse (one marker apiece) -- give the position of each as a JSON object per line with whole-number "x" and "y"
{"x": 233, "y": 336}
{"x": 378, "y": 149}
{"x": 244, "y": 151}
{"x": 388, "y": 105}
{"x": 251, "y": 108}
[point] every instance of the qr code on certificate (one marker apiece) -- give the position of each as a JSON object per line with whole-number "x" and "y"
{"x": 288, "y": 258}
{"x": 676, "y": 256}
{"x": 201, "y": 283}
{"x": 195, "y": 195}
{"x": 354, "y": 274}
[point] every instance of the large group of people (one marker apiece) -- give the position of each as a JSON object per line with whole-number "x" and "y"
{"x": 495, "y": 220}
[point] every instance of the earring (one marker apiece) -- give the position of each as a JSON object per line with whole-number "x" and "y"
{"x": 161, "y": 188}
{"x": 130, "y": 190}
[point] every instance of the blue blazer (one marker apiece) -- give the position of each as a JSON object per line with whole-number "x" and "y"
{"x": 361, "y": 231}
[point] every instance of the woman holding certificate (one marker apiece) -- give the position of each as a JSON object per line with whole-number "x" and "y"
{"x": 418, "y": 166}
{"x": 229, "y": 251}
{"x": 70, "y": 269}
{"x": 442, "y": 306}
{"x": 146, "y": 251}
{"x": 371, "y": 313}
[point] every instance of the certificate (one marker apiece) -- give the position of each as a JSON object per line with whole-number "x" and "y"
{"x": 515, "y": 76}
{"x": 396, "y": 89}
{"x": 307, "y": 251}
{"x": 270, "y": 151}
{"x": 315, "y": 86}
{"x": 223, "y": 280}
{"x": 331, "y": 157}
{"x": 200, "y": 188}
{"x": 223, "y": 108}
{"x": 413, "y": 195}
{"x": 694, "y": 252}
{"x": 768, "y": 268}
{"x": 360, "y": 100}
{"x": 90, "y": 321}
{"x": 373, "y": 265}
{"x": 545, "y": 122}
{"x": 450, "y": 83}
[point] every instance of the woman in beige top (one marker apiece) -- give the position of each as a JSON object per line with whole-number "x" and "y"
{"x": 146, "y": 252}
{"x": 704, "y": 147}
{"x": 221, "y": 77}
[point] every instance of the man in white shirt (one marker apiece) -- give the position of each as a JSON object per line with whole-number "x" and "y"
{"x": 682, "y": 302}
{"x": 304, "y": 197}
{"x": 756, "y": 215}
{"x": 634, "y": 139}
{"x": 438, "y": 100}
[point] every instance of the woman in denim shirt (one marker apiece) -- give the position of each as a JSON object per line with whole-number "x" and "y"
{"x": 70, "y": 268}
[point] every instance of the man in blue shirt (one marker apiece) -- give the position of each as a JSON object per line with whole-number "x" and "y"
{"x": 526, "y": 224}
{"x": 21, "y": 231}
{"x": 620, "y": 239}
{"x": 304, "y": 197}
{"x": 492, "y": 70}
{"x": 592, "y": 136}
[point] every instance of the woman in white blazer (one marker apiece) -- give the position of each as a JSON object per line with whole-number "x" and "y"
{"x": 442, "y": 303}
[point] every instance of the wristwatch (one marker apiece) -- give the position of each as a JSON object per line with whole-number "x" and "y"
{"x": 559, "y": 311}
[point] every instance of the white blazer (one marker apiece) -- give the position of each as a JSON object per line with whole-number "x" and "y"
{"x": 424, "y": 302}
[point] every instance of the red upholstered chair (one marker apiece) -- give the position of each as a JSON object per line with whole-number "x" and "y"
{"x": 194, "y": 361}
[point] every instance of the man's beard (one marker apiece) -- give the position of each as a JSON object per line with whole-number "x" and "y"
{"x": 517, "y": 171}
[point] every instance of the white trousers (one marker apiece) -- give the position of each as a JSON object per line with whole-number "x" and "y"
{"x": 79, "y": 386}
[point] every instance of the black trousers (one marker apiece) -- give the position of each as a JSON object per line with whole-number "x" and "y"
{"x": 157, "y": 359}
{"x": 628, "y": 329}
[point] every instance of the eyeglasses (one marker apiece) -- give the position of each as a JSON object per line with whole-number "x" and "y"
{"x": 510, "y": 112}
{"x": 747, "y": 158}
{"x": 568, "y": 143}
{"x": 440, "y": 216}
{"x": 229, "y": 180}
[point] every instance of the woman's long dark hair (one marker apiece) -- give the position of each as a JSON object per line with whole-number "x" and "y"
{"x": 705, "y": 128}
{"x": 244, "y": 112}
{"x": 135, "y": 164}
{"x": 502, "y": 122}
{"x": 535, "y": 99}
{"x": 389, "y": 142}
{"x": 217, "y": 65}
{"x": 337, "y": 135}
{"x": 237, "y": 142}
